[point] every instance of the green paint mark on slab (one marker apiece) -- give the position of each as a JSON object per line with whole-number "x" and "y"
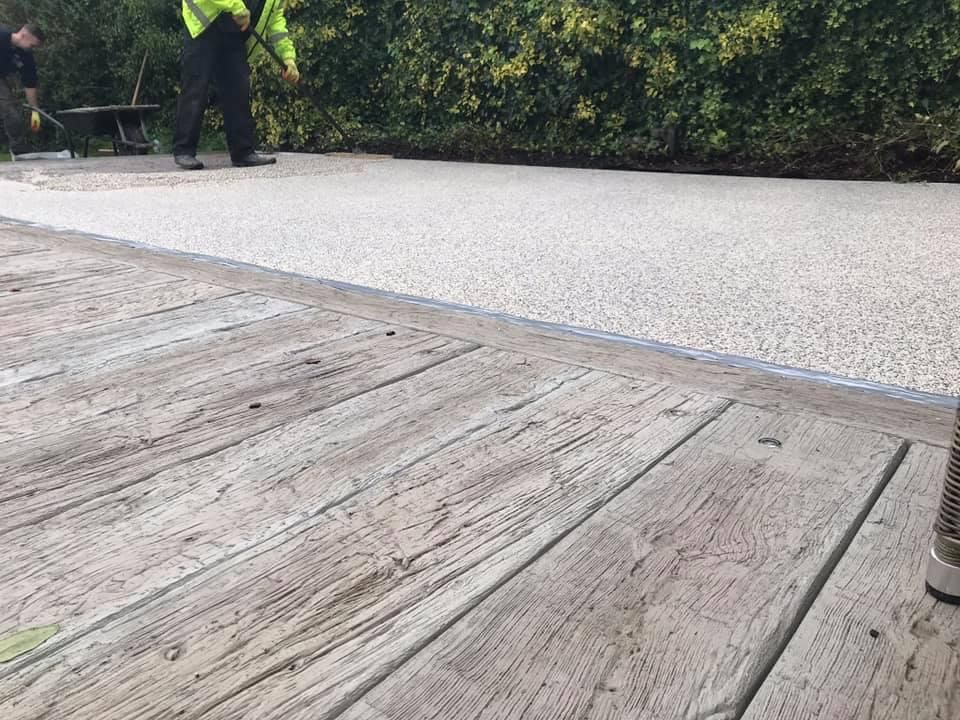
{"x": 24, "y": 641}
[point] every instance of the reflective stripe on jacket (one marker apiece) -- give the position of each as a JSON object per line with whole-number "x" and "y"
{"x": 198, "y": 15}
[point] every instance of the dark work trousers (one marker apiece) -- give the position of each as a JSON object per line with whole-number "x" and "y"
{"x": 11, "y": 113}
{"x": 218, "y": 54}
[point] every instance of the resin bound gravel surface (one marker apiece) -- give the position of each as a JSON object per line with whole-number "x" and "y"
{"x": 858, "y": 279}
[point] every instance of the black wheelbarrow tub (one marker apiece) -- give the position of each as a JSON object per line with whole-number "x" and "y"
{"x": 103, "y": 120}
{"x": 123, "y": 123}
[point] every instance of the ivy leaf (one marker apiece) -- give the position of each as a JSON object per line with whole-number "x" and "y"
{"x": 659, "y": 36}
{"x": 24, "y": 641}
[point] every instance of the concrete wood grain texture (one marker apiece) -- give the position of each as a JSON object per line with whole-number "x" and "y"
{"x": 35, "y": 300}
{"x": 232, "y": 497}
{"x": 75, "y": 352}
{"x": 143, "y": 438}
{"x": 91, "y": 312}
{"x": 123, "y": 391}
{"x": 673, "y": 600}
{"x": 875, "y": 645}
{"x": 259, "y": 506}
{"x": 446, "y": 525}
{"x": 14, "y": 281}
{"x": 17, "y": 244}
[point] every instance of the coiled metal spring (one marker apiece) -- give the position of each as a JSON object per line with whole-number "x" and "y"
{"x": 947, "y": 538}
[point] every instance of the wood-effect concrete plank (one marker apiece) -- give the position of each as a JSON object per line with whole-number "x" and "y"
{"x": 673, "y": 600}
{"x": 15, "y": 242}
{"x": 90, "y": 312}
{"x": 53, "y": 269}
{"x": 51, "y": 474}
{"x": 27, "y": 301}
{"x": 122, "y": 533}
{"x": 875, "y": 645}
{"x": 81, "y": 352}
{"x": 125, "y": 392}
{"x": 303, "y": 622}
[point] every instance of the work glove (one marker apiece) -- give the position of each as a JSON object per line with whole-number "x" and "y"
{"x": 291, "y": 74}
{"x": 35, "y": 121}
{"x": 242, "y": 21}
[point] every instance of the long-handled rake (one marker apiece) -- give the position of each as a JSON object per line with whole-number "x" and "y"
{"x": 307, "y": 92}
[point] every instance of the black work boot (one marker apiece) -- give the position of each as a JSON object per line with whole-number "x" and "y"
{"x": 188, "y": 162}
{"x": 253, "y": 159}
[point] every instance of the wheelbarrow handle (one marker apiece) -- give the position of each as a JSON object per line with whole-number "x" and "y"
{"x": 56, "y": 122}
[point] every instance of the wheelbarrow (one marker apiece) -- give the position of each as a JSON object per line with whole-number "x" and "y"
{"x": 124, "y": 124}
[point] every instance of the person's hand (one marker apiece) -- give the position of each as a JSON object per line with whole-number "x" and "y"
{"x": 242, "y": 21}
{"x": 35, "y": 121}
{"x": 291, "y": 74}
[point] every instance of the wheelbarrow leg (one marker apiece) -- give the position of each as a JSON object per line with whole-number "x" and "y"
{"x": 137, "y": 135}
{"x": 123, "y": 135}
{"x": 143, "y": 128}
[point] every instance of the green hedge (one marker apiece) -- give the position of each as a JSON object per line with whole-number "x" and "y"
{"x": 857, "y": 87}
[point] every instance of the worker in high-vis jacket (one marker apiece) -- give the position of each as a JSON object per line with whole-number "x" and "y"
{"x": 217, "y": 47}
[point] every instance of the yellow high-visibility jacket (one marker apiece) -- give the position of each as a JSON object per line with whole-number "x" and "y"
{"x": 198, "y": 15}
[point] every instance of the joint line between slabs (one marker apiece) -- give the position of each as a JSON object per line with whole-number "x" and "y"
{"x": 171, "y": 587}
{"x": 340, "y": 708}
{"x": 823, "y": 576}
